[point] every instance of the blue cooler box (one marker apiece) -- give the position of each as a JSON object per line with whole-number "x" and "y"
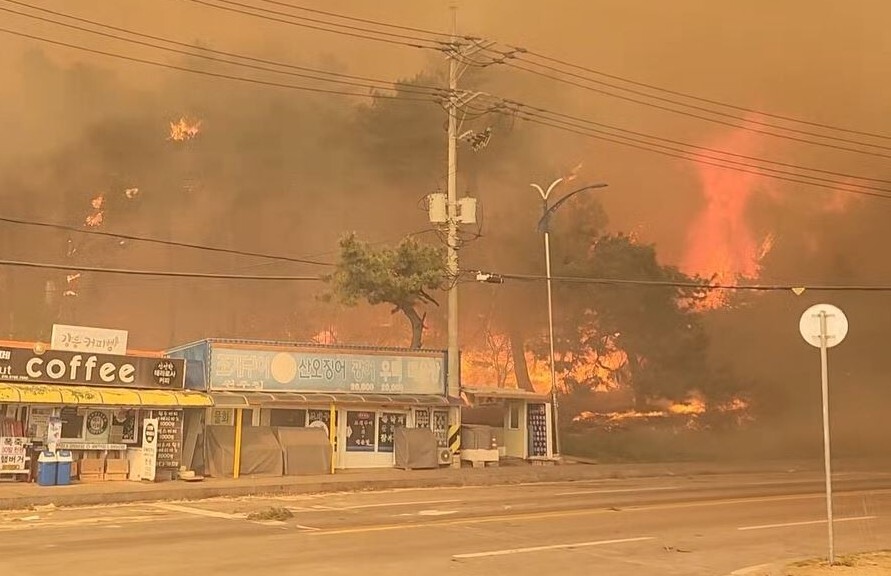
{"x": 63, "y": 467}
{"x": 46, "y": 468}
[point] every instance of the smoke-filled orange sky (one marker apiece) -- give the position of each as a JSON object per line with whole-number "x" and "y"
{"x": 279, "y": 171}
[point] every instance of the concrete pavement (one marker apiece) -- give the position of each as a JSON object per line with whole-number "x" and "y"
{"x": 21, "y": 495}
{"x": 704, "y": 525}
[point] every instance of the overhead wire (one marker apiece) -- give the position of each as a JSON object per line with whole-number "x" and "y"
{"x": 706, "y": 100}
{"x": 838, "y": 183}
{"x": 356, "y": 19}
{"x": 713, "y": 120}
{"x": 521, "y": 54}
{"x": 174, "y": 243}
{"x": 227, "y": 5}
{"x": 686, "y": 105}
{"x": 686, "y": 144}
{"x": 839, "y": 187}
{"x": 208, "y": 73}
{"x": 694, "y": 285}
{"x": 167, "y": 273}
{"x": 388, "y": 83}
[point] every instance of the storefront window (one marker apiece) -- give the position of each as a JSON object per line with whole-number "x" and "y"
{"x": 388, "y": 422}
{"x": 514, "y": 423}
{"x": 287, "y": 418}
{"x": 360, "y": 431}
{"x": 72, "y": 424}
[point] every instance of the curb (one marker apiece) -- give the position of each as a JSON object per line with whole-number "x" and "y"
{"x": 136, "y": 492}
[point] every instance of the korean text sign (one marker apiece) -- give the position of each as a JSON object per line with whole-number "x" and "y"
{"x": 326, "y": 371}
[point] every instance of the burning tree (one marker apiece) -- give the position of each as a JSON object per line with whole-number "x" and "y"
{"x": 403, "y": 276}
{"x": 657, "y": 327}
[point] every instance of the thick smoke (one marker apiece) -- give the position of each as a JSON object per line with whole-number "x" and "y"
{"x": 288, "y": 172}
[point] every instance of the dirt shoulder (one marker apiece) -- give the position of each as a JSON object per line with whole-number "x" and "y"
{"x": 867, "y": 564}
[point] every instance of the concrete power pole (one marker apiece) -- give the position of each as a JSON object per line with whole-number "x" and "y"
{"x": 454, "y": 367}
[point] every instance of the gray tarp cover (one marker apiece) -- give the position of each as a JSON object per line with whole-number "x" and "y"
{"x": 415, "y": 448}
{"x": 261, "y": 454}
{"x": 306, "y": 450}
{"x": 476, "y": 437}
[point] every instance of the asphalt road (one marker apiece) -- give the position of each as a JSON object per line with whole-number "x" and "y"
{"x": 706, "y": 525}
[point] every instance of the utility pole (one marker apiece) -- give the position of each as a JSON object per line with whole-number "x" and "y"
{"x": 454, "y": 367}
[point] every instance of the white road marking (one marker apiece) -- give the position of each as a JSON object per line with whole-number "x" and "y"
{"x": 198, "y": 511}
{"x": 550, "y": 547}
{"x": 12, "y": 527}
{"x": 436, "y": 512}
{"x": 319, "y": 508}
{"x": 548, "y": 515}
{"x": 807, "y": 523}
{"x": 616, "y": 491}
{"x": 307, "y": 528}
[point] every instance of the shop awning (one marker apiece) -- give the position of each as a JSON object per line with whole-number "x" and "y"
{"x": 505, "y": 394}
{"x": 272, "y": 399}
{"x": 93, "y": 396}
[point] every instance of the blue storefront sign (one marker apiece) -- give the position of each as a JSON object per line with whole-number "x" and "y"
{"x": 233, "y": 368}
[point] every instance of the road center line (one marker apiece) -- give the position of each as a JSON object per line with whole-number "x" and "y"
{"x": 550, "y": 547}
{"x": 807, "y": 523}
{"x": 616, "y": 491}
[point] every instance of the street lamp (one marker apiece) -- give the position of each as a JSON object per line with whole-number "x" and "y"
{"x": 544, "y": 226}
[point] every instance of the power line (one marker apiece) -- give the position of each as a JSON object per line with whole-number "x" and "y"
{"x": 404, "y": 85}
{"x": 329, "y": 23}
{"x": 213, "y": 74}
{"x": 517, "y": 53}
{"x": 693, "y": 106}
{"x": 696, "y": 146}
{"x": 177, "y": 244}
{"x": 706, "y": 118}
{"x": 701, "y": 99}
{"x": 229, "y": 8}
{"x": 355, "y": 19}
{"x": 840, "y": 187}
{"x": 695, "y": 285}
{"x": 379, "y": 81}
{"x": 725, "y": 160}
{"x": 168, "y": 273}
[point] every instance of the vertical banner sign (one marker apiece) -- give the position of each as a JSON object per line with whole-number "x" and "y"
{"x": 170, "y": 438}
{"x": 53, "y": 432}
{"x": 149, "y": 448}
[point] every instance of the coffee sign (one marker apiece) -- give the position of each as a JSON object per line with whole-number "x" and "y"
{"x": 62, "y": 367}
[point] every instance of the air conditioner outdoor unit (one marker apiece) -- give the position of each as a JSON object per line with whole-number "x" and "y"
{"x": 445, "y": 456}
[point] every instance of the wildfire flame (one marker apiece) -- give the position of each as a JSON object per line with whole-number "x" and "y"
{"x": 327, "y": 336}
{"x": 690, "y": 411}
{"x": 184, "y": 129}
{"x": 721, "y": 245}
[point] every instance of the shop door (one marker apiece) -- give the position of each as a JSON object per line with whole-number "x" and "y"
{"x": 537, "y": 426}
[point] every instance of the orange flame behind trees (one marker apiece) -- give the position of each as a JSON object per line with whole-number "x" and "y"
{"x": 721, "y": 245}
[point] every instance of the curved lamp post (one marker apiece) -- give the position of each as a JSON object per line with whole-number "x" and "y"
{"x": 544, "y": 226}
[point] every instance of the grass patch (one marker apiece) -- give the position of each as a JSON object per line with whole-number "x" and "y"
{"x": 274, "y": 513}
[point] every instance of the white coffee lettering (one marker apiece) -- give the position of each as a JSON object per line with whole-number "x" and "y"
{"x": 55, "y": 368}
{"x": 30, "y": 367}
{"x": 126, "y": 373}
{"x": 106, "y": 372}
